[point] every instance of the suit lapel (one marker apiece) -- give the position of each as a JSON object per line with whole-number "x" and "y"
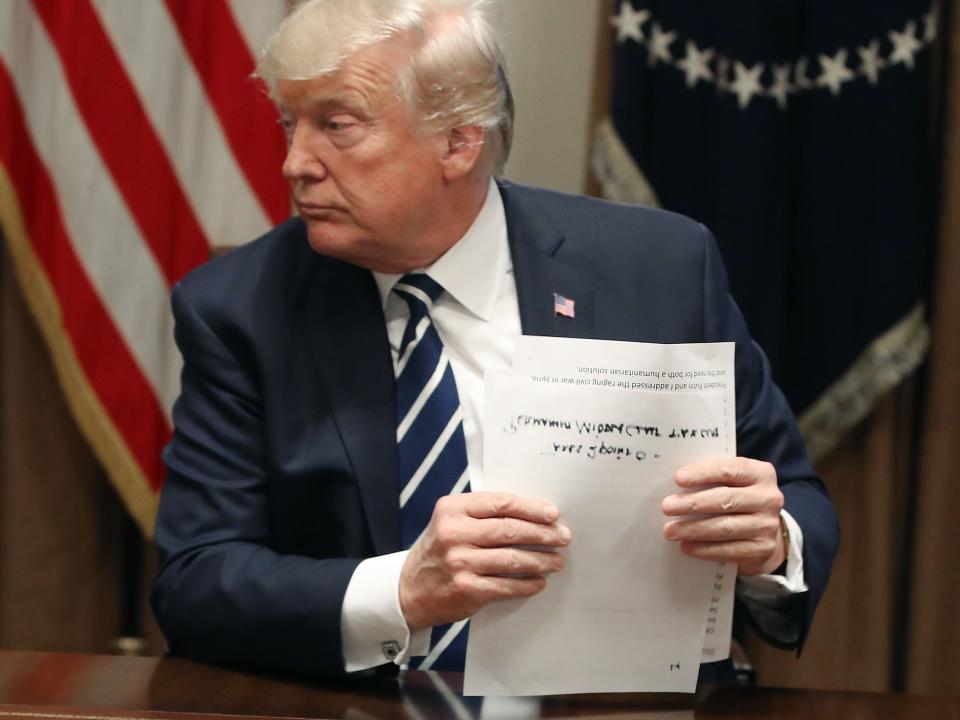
{"x": 342, "y": 321}
{"x": 541, "y": 270}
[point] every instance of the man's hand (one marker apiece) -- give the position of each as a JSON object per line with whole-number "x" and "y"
{"x": 741, "y": 503}
{"x": 459, "y": 563}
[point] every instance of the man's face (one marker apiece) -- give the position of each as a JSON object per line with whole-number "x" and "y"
{"x": 366, "y": 180}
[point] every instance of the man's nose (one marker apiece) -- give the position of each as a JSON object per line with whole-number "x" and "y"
{"x": 303, "y": 161}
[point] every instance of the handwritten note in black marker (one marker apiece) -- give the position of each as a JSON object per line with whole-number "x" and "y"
{"x": 603, "y": 439}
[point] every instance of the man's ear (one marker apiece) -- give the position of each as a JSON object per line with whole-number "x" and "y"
{"x": 462, "y": 152}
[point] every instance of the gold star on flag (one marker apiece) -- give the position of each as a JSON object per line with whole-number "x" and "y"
{"x": 834, "y": 71}
{"x": 870, "y": 61}
{"x": 746, "y": 82}
{"x": 905, "y": 45}
{"x": 659, "y": 48}
{"x": 696, "y": 64}
{"x": 801, "y": 81}
{"x": 930, "y": 24}
{"x": 628, "y": 23}
{"x": 781, "y": 84}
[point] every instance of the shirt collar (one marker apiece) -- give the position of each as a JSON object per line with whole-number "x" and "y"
{"x": 483, "y": 246}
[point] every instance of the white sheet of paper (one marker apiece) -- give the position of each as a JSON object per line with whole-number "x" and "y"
{"x": 628, "y": 611}
{"x": 706, "y": 368}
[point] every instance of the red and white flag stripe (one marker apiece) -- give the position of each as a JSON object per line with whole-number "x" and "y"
{"x": 132, "y": 140}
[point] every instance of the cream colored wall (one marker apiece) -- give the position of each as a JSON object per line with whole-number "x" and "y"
{"x": 550, "y": 48}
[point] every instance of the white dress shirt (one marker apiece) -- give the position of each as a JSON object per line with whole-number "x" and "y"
{"x": 478, "y": 320}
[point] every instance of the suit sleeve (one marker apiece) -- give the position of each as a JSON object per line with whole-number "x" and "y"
{"x": 223, "y": 594}
{"x": 767, "y": 430}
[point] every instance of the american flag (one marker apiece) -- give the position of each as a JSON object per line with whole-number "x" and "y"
{"x": 132, "y": 141}
{"x": 562, "y": 306}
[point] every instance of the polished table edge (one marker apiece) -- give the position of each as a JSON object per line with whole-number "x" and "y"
{"x": 42, "y": 712}
{"x": 79, "y": 686}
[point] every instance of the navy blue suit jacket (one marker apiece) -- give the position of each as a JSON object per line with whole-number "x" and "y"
{"x": 282, "y": 469}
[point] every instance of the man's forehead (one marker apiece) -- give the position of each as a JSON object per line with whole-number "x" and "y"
{"x": 296, "y": 95}
{"x": 364, "y": 79}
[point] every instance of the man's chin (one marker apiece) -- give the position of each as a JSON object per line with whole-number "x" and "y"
{"x": 343, "y": 247}
{"x": 357, "y": 250}
{"x": 331, "y": 244}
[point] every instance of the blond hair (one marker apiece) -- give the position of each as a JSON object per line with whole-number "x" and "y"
{"x": 456, "y": 75}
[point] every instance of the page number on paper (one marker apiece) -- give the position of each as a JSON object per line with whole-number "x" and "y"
{"x": 675, "y": 666}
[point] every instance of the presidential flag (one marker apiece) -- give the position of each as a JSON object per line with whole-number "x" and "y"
{"x": 132, "y": 141}
{"x": 798, "y": 132}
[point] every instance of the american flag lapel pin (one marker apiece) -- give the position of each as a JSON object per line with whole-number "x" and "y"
{"x": 563, "y": 305}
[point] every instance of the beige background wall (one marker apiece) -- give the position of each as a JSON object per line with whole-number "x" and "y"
{"x": 550, "y": 47}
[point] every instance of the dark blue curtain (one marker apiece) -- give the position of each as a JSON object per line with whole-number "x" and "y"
{"x": 798, "y": 131}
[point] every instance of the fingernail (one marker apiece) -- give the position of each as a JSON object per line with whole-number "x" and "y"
{"x": 681, "y": 475}
{"x": 551, "y": 513}
{"x": 565, "y": 533}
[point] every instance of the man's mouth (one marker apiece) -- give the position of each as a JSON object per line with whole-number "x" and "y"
{"x": 315, "y": 210}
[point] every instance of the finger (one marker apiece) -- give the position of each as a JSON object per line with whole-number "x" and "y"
{"x": 500, "y": 504}
{"x": 725, "y": 500}
{"x": 723, "y": 528}
{"x": 507, "y": 561}
{"x": 500, "y": 531}
{"x": 739, "y": 552}
{"x": 734, "y": 472}
{"x": 490, "y": 588}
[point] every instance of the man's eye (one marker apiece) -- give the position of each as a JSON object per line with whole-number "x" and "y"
{"x": 287, "y": 124}
{"x": 343, "y": 130}
{"x": 340, "y": 124}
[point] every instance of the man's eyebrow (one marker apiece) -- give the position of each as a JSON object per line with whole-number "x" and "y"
{"x": 346, "y": 99}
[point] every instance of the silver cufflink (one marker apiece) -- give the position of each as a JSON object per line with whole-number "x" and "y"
{"x": 391, "y": 648}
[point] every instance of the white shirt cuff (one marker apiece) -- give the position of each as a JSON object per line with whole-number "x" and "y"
{"x": 771, "y": 587}
{"x": 372, "y": 628}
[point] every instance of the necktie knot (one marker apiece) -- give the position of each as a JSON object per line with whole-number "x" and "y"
{"x": 419, "y": 291}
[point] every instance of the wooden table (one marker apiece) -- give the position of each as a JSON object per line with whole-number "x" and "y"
{"x": 60, "y": 686}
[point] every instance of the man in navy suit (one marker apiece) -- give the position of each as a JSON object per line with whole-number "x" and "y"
{"x": 279, "y": 525}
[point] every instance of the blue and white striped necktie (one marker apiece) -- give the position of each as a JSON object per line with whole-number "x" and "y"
{"x": 431, "y": 449}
